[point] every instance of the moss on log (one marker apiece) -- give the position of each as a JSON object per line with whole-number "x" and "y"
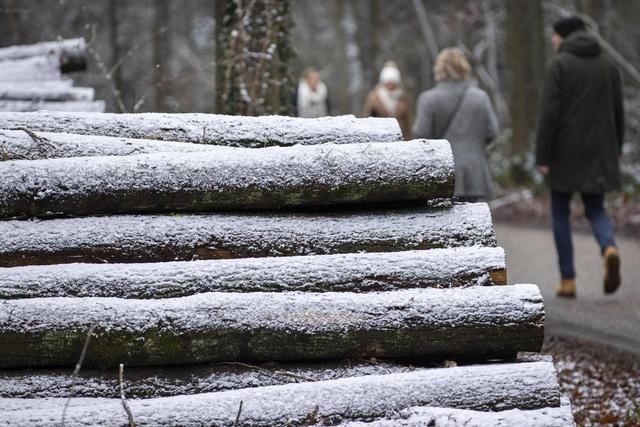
{"x": 476, "y": 323}
{"x": 227, "y": 178}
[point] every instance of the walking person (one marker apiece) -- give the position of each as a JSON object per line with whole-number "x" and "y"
{"x": 579, "y": 141}
{"x": 461, "y": 113}
{"x": 311, "y": 98}
{"x": 389, "y": 99}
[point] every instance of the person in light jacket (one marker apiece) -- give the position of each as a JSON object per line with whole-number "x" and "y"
{"x": 389, "y": 99}
{"x": 461, "y": 113}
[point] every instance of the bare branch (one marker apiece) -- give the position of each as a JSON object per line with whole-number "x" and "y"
{"x": 76, "y": 371}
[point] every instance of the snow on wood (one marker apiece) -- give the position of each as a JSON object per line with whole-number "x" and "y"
{"x": 229, "y": 179}
{"x": 37, "y": 105}
{"x": 38, "y": 93}
{"x": 18, "y": 145}
{"x": 71, "y": 53}
{"x": 497, "y": 387}
{"x": 239, "y": 131}
{"x": 43, "y": 67}
{"x": 448, "y": 417}
{"x": 360, "y": 272}
{"x": 159, "y": 381}
{"x": 150, "y": 238}
{"x": 475, "y": 323}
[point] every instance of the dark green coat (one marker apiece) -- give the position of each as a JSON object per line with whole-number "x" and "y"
{"x": 581, "y": 127}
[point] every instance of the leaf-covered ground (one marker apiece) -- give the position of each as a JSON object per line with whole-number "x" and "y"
{"x": 603, "y": 384}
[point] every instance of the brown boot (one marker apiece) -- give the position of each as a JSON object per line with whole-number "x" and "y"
{"x": 567, "y": 288}
{"x": 611, "y": 269}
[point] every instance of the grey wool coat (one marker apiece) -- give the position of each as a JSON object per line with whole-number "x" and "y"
{"x": 471, "y": 129}
{"x": 581, "y": 127}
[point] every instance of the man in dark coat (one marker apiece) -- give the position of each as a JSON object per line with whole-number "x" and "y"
{"x": 579, "y": 142}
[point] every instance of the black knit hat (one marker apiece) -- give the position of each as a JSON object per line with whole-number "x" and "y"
{"x": 566, "y": 26}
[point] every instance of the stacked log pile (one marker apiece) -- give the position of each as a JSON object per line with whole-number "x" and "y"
{"x": 335, "y": 281}
{"x": 31, "y": 77}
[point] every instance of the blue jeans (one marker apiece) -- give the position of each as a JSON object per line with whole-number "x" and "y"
{"x": 600, "y": 224}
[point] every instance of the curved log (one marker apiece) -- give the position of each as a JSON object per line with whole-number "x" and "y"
{"x": 228, "y": 178}
{"x": 524, "y": 386}
{"x": 236, "y": 131}
{"x": 18, "y": 145}
{"x": 71, "y": 53}
{"x": 187, "y": 237}
{"x": 361, "y": 272}
{"x": 476, "y": 323}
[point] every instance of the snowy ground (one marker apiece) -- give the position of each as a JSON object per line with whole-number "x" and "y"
{"x": 603, "y": 384}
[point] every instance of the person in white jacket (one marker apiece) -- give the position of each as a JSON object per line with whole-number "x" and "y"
{"x": 312, "y": 96}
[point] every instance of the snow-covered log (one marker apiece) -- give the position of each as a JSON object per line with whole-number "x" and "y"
{"x": 500, "y": 387}
{"x": 230, "y": 178}
{"x": 158, "y": 381}
{"x": 476, "y": 323}
{"x": 18, "y": 145}
{"x": 37, "y": 105}
{"x": 38, "y": 93}
{"x": 361, "y": 272}
{"x": 71, "y": 53}
{"x": 448, "y": 417}
{"x": 150, "y": 238}
{"x": 43, "y": 67}
{"x": 239, "y": 131}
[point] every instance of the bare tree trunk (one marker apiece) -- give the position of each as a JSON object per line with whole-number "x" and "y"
{"x": 115, "y": 75}
{"x": 161, "y": 53}
{"x": 525, "y": 51}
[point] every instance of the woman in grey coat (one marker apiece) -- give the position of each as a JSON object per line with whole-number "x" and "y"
{"x": 462, "y": 114}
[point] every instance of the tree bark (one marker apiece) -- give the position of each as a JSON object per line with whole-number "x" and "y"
{"x": 322, "y": 176}
{"x": 30, "y": 69}
{"x": 213, "y": 129}
{"x": 186, "y": 237}
{"x": 526, "y": 58}
{"x": 477, "y": 323}
{"x": 159, "y": 381}
{"x": 499, "y": 387}
{"x": 37, "y": 93}
{"x": 37, "y": 105}
{"x": 440, "y": 268}
{"x": 21, "y": 145}
{"x": 71, "y": 53}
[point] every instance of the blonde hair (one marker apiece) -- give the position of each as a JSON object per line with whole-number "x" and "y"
{"x": 451, "y": 64}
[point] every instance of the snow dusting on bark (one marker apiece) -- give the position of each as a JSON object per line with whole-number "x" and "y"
{"x": 181, "y": 237}
{"x": 213, "y": 129}
{"x": 481, "y": 388}
{"x": 344, "y": 272}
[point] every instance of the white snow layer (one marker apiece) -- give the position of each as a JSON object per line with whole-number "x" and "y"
{"x": 44, "y": 67}
{"x": 341, "y": 272}
{"x": 304, "y": 312}
{"x": 481, "y": 388}
{"x": 59, "y": 47}
{"x": 44, "y": 93}
{"x": 448, "y": 417}
{"x": 18, "y": 145}
{"x": 258, "y": 235}
{"x": 324, "y": 168}
{"x": 39, "y": 105}
{"x": 211, "y": 128}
